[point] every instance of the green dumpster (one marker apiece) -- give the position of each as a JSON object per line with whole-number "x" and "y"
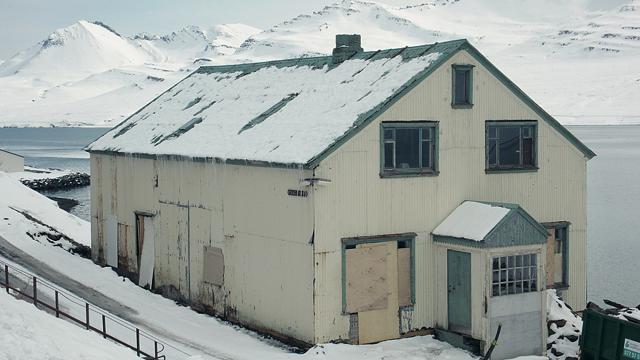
{"x": 605, "y": 337}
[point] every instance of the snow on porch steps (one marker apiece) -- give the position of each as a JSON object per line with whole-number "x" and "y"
{"x": 471, "y": 220}
{"x": 286, "y": 111}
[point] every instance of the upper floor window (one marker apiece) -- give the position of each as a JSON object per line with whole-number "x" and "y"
{"x": 511, "y": 146}
{"x": 408, "y": 148}
{"x": 462, "y": 94}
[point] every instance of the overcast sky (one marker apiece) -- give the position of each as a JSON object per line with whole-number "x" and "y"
{"x": 25, "y": 22}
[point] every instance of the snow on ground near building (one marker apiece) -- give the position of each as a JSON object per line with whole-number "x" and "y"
{"x": 471, "y": 220}
{"x": 29, "y": 333}
{"x": 423, "y": 347}
{"x": 564, "y": 329}
{"x": 26, "y": 215}
{"x": 284, "y": 112}
{"x": 197, "y": 334}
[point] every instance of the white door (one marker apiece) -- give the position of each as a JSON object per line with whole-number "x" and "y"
{"x": 148, "y": 256}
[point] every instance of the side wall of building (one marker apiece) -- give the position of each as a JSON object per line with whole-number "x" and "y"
{"x": 264, "y": 234}
{"x": 11, "y": 162}
{"x": 358, "y": 202}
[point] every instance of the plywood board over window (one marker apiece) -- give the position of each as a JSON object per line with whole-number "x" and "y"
{"x": 550, "y": 265}
{"x": 213, "y": 266}
{"x": 404, "y": 277}
{"x": 383, "y": 324}
{"x": 367, "y": 287}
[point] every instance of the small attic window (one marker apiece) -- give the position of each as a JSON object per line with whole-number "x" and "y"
{"x": 462, "y": 86}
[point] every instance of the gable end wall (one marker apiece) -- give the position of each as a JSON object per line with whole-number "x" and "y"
{"x": 358, "y": 202}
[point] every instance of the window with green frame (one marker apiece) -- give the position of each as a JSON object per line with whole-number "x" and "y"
{"x": 408, "y": 148}
{"x": 462, "y": 86}
{"x": 511, "y": 145}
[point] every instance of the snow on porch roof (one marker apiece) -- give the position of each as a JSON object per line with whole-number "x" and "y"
{"x": 484, "y": 224}
{"x": 471, "y": 220}
{"x": 283, "y": 112}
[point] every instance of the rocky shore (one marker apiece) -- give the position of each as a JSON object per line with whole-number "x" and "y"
{"x": 64, "y": 182}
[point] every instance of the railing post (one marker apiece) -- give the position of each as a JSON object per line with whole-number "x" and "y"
{"x": 104, "y": 326}
{"x": 6, "y": 277}
{"x": 138, "y": 341}
{"x": 35, "y": 292}
{"x": 57, "y": 306}
{"x": 155, "y": 347}
{"x": 87, "y": 313}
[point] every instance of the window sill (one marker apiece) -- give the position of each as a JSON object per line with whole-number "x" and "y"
{"x": 462, "y": 106}
{"x": 559, "y": 286}
{"x": 512, "y": 170}
{"x": 384, "y": 175}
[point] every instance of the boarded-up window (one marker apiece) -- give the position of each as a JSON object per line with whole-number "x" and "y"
{"x": 404, "y": 277}
{"x": 557, "y": 255}
{"x": 213, "y": 266}
{"x": 366, "y": 286}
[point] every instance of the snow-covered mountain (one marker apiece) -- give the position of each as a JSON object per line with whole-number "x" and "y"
{"x": 88, "y": 74}
{"x": 578, "y": 64}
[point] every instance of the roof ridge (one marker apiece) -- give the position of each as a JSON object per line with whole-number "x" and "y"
{"x": 311, "y": 59}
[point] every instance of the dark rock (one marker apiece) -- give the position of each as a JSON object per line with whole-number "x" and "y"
{"x": 573, "y": 338}
{"x": 60, "y": 183}
{"x": 559, "y": 323}
{"x": 555, "y": 352}
{"x": 64, "y": 203}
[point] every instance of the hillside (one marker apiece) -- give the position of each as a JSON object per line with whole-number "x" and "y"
{"x": 575, "y": 63}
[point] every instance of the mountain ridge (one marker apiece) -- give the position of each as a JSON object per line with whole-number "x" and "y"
{"x": 545, "y": 57}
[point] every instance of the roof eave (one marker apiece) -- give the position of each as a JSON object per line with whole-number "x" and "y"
{"x": 218, "y": 160}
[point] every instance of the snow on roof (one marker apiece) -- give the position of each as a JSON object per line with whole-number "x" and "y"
{"x": 471, "y": 220}
{"x": 285, "y": 112}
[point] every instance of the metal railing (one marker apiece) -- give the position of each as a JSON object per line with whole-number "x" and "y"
{"x": 65, "y": 305}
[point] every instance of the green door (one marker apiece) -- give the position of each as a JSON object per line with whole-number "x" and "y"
{"x": 459, "y": 291}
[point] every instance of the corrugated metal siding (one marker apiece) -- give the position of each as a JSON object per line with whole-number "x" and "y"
{"x": 358, "y": 202}
{"x": 264, "y": 233}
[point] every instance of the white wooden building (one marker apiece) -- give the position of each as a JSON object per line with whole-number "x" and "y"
{"x": 10, "y": 162}
{"x": 356, "y": 197}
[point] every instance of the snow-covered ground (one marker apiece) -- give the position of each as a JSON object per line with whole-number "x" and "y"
{"x": 578, "y": 64}
{"x": 564, "y": 329}
{"x": 196, "y": 334}
{"x": 27, "y": 333}
{"x": 26, "y": 215}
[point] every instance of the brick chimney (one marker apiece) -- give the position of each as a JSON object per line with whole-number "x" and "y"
{"x": 346, "y": 46}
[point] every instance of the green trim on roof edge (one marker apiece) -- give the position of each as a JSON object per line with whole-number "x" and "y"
{"x": 366, "y": 118}
{"x": 528, "y": 101}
